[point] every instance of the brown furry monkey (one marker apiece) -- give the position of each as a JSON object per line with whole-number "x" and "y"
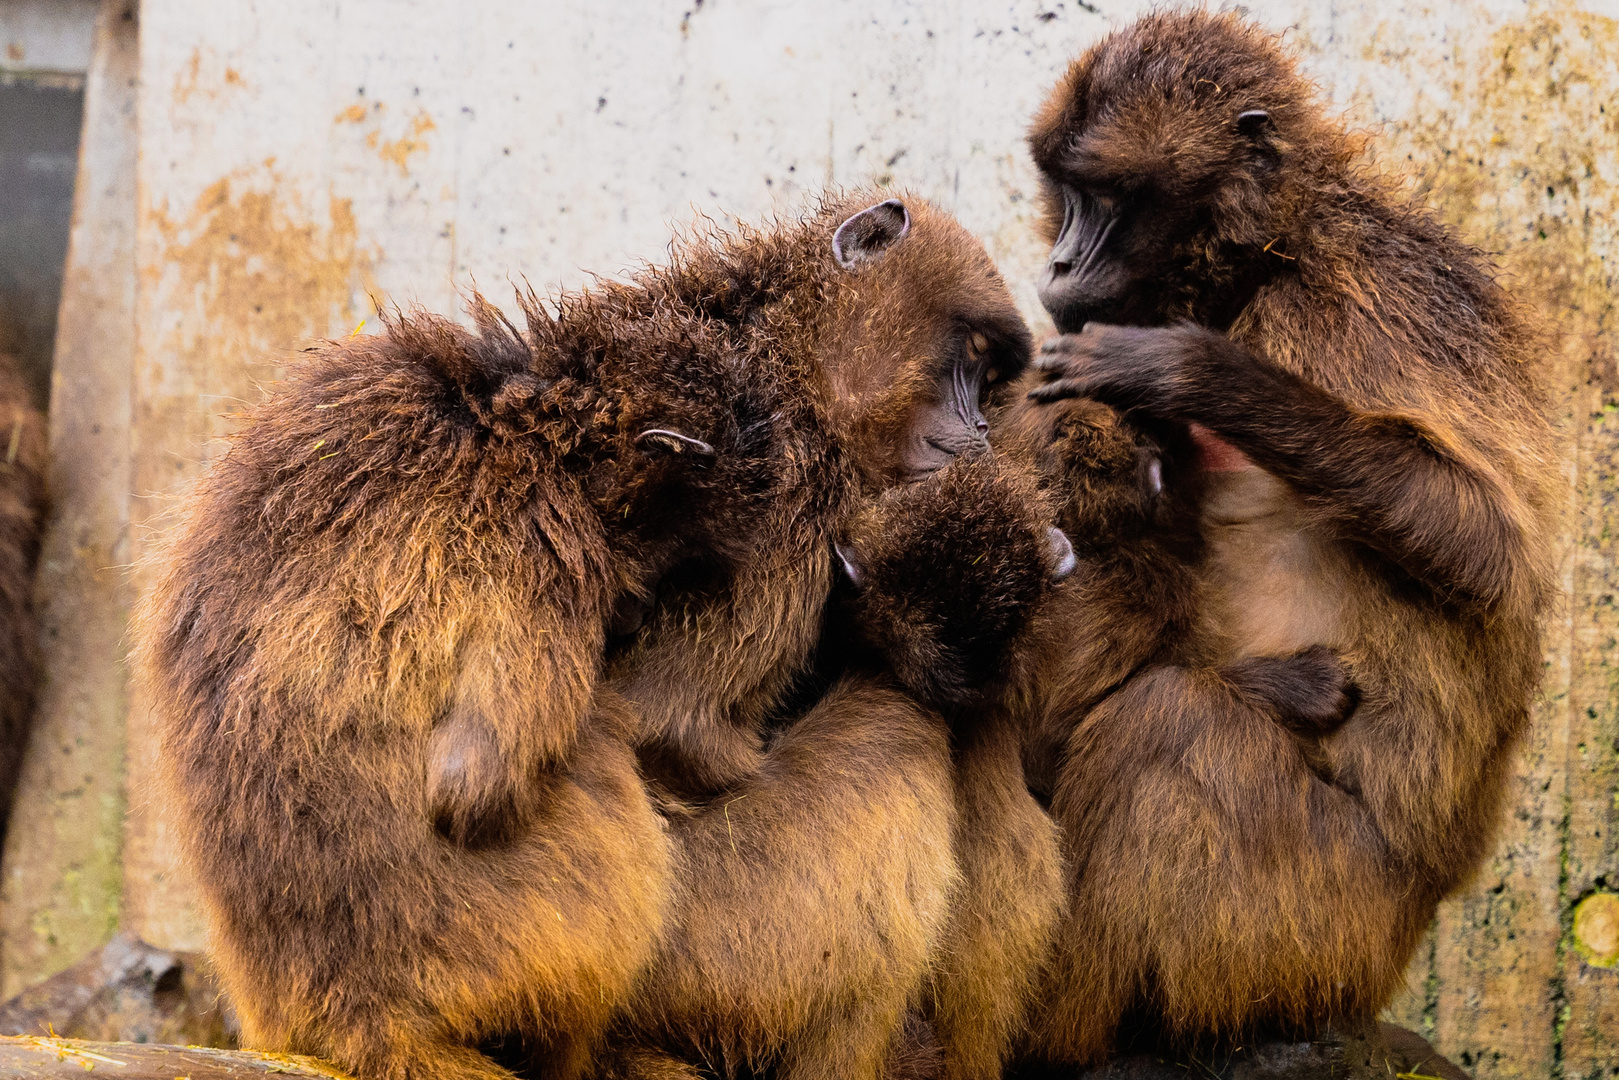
{"x": 419, "y": 619}
{"x": 1352, "y": 397}
{"x": 952, "y": 581}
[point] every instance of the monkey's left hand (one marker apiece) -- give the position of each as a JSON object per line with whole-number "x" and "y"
{"x": 1155, "y": 371}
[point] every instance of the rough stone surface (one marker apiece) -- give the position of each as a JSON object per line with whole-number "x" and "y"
{"x": 126, "y": 991}
{"x": 62, "y": 869}
{"x": 36, "y": 1058}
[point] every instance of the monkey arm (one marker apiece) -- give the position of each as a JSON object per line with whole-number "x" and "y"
{"x": 1427, "y": 501}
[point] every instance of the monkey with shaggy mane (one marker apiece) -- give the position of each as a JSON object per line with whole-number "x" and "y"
{"x": 1259, "y": 821}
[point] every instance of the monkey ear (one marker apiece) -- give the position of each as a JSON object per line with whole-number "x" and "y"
{"x": 1259, "y": 129}
{"x": 870, "y": 233}
{"x": 1063, "y": 559}
{"x": 660, "y": 441}
{"x": 1255, "y": 123}
{"x": 851, "y": 564}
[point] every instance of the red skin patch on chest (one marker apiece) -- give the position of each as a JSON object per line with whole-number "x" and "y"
{"x": 1214, "y": 454}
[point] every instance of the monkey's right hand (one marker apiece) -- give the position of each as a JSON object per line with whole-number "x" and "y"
{"x": 473, "y": 794}
{"x": 1311, "y": 692}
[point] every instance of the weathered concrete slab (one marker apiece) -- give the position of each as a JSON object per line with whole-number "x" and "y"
{"x": 47, "y": 35}
{"x": 63, "y": 860}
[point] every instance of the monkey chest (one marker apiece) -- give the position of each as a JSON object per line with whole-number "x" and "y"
{"x": 1272, "y": 583}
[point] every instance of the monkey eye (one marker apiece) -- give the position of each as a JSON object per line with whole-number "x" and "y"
{"x": 978, "y": 344}
{"x": 991, "y": 375}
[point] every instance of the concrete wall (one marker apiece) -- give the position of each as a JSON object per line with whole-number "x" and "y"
{"x": 295, "y": 159}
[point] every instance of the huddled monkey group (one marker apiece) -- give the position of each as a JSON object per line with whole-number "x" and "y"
{"x": 770, "y": 666}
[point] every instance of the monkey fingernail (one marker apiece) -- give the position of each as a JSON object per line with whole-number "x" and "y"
{"x": 1055, "y": 391}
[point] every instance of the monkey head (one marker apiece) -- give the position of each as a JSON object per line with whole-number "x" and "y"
{"x": 1168, "y": 155}
{"x": 946, "y": 574}
{"x": 921, "y": 337}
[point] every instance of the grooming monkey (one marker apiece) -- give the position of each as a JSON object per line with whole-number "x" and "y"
{"x": 1348, "y": 397}
{"x": 453, "y": 598}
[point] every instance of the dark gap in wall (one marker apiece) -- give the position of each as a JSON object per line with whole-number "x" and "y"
{"x": 39, "y": 161}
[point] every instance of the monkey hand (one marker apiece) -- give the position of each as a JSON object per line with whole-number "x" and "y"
{"x": 1150, "y": 370}
{"x": 1311, "y": 693}
{"x": 474, "y": 796}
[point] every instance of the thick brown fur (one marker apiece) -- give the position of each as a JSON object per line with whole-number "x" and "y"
{"x": 22, "y": 516}
{"x": 951, "y": 579}
{"x": 818, "y": 902}
{"x": 403, "y": 650}
{"x": 956, "y": 601}
{"x": 1238, "y": 861}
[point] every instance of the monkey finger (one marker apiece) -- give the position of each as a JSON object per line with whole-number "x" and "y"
{"x": 1060, "y": 389}
{"x": 1052, "y": 350}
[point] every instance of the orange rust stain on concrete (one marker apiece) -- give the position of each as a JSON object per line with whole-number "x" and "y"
{"x": 354, "y": 114}
{"x": 399, "y": 150}
{"x": 231, "y": 285}
{"x": 1529, "y": 167}
{"x": 197, "y": 77}
{"x": 247, "y": 275}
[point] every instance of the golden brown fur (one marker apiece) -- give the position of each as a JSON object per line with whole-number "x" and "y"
{"x": 953, "y": 576}
{"x": 22, "y": 516}
{"x": 1237, "y": 860}
{"x": 955, "y": 600}
{"x": 420, "y": 619}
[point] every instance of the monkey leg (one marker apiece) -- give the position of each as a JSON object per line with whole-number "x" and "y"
{"x": 1006, "y": 908}
{"x": 811, "y": 897}
{"x": 401, "y": 951}
{"x": 1216, "y": 880}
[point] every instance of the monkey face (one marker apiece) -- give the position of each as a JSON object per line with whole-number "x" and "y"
{"x": 947, "y": 420}
{"x": 1105, "y": 259}
{"x": 925, "y": 337}
{"x": 1155, "y": 157}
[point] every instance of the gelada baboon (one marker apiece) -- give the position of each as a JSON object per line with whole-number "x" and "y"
{"x": 379, "y": 637}
{"x": 812, "y": 892}
{"x": 22, "y": 516}
{"x": 951, "y": 592}
{"x": 951, "y": 580}
{"x": 1355, "y": 397}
